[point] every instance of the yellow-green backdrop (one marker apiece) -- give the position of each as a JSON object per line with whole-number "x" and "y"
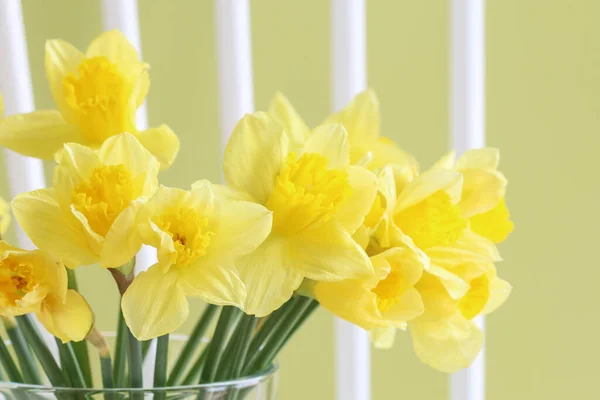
{"x": 543, "y": 111}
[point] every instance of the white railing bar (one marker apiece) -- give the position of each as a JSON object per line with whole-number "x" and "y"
{"x": 349, "y": 77}
{"x": 234, "y": 57}
{"x": 467, "y": 132}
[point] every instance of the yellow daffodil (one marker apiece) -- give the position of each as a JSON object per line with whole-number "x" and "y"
{"x": 4, "y": 216}
{"x": 97, "y": 95}
{"x": 318, "y": 201}
{"x": 361, "y": 119}
{"x": 34, "y": 281}
{"x": 385, "y": 299}
{"x": 199, "y": 234}
{"x": 89, "y": 215}
{"x": 445, "y": 336}
{"x": 484, "y": 188}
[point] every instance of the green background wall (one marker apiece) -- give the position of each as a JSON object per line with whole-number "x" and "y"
{"x": 543, "y": 111}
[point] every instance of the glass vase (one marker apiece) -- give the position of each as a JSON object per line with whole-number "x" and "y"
{"x": 262, "y": 386}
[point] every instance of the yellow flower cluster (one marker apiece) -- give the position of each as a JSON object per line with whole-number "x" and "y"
{"x": 338, "y": 212}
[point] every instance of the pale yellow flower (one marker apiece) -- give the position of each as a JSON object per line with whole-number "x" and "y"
{"x": 386, "y": 299}
{"x": 318, "y": 201}
{"x": 88, "y": 216}
{"x": 361, "y": 119}
{"x": 199, "y": 234}
{"x": 34, "y": 281}
{"x": 97, "y": 95}
{"x": 484, "y": 188}
{"x": 4, "y": 216}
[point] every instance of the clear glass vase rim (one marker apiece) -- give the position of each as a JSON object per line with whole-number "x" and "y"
{"x": 246, "y": 381}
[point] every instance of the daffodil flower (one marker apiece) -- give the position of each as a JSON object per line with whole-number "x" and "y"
{"x": 386, "y": 299}
{"x": 88, "y": 216}
{"x": 445, "y": 336}
{"x": 318, "y": 201}
{"x": 484, "y": 188}
{"x": 198, "y": 234}
{"x": 97, "y": 95}
{"x": 361, "y": 119}
{"x": 33, "y": 281}
{"x": 4, "y": 216}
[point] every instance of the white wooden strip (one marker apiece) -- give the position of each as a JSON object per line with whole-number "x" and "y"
{"x": 234, "y": 56}
{"x": 349, "y": 77}
{"x": 24, "y": 173}
{"x": 467, "y": 132}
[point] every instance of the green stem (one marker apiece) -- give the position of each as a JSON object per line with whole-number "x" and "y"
{"x": 191, "y": 345}
{"x": 120, "y": 352}
{"x": 70, "y": 365}
{"x": 240, "y": 343}
{"x": 26, "y": 358}
{"x": 42, "y": 352}
{"x": 135, "y": 365}
{"x": 160, "y": 365}
{"x": 106, "y": 371}
{"x": 196, "y": 369}
{"x": 9, "y": 364}
{"x": 227, "y": 320}
{"x": 267, "y": 354}
{"x": 308, "y": 311}
{"x": 268, "y": 328}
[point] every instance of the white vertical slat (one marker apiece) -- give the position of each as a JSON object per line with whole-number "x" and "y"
{"x": 349, "y": 77}
{"x": 467, "y": 132}
{"x": 24, "y": 173}
{"x": 123, "y": 15}
{"x": 234, "y": 56}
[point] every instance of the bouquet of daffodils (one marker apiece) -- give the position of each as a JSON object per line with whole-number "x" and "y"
{"x": 336, "y": 216}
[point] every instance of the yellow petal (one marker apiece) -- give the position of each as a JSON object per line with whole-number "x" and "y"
{"x": 499, "y": 292}
{"x": 57, "y": 234}
{"x": 38, "y": 134}
{"x": 470, "y": 248}
{"x": 282, "y": 110}
{"x": 331, "y": 141}
{"x": 62, "y": 59}
{"x": 254, "y": 155}
{"x": 429, "y": 183}
{"x": 455, "y": 286}
{"x": 385, "y": 152}
{"x": 214, "y": 283}
{"x": 240, "y": 228}
{"x": 482, "y": 190}
{"x": 486, "y": 159}
{"x": 126, "y": 149}
{"x": 494, "y": 225}
{"x": 269, "y": 276}
{"x": 68, "y": 321}
{"x": 4, "y": 216}
{"x": 383, "y": 338}
{"x": 351, "y": 301}
{"x": 116, "y": 47}
{"x": 447, "y": 354}
{"x": 361, "y": 118}
{"x": 353, "y": 210}
{"x": 122, "y": 242}
{"x": 162, "y": 143}
{"x": 327, "y": 253}
{"x": 447, "y": 161}
{"x": 154, "y": 305}
{"x": 409, "y": 306}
